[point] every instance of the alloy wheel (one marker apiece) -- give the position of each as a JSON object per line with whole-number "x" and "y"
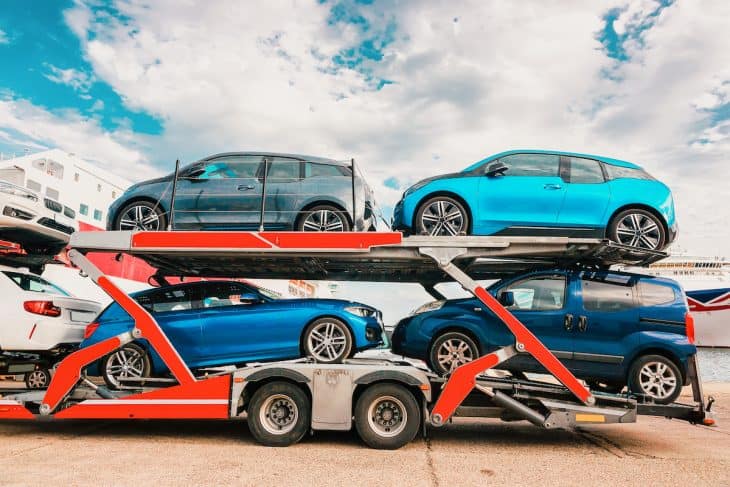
{"x": 279, "y": 414}
{"x": 388, "y": 416}
{"x": 639, "y": 230}
{"x": 140, "y": 217}
{"x": 442, "y": 217}
{"x": 453, "y": 353}
{"x": 38, "y": 379}
{"x": 125, "y": 363}
{"x": 324, "y": 221}
{"x": 657, "y": 380}
{"x": 327, "y": 341}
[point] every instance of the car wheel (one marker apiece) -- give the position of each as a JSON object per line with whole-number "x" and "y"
{"x": 323, "y": 218}
{"x": 38, "y": 379}
{"x": 638, "y": 228}
{"x": 451, "y": 350}
{"x": 130, "y": 361}
{"x": 328, "y": 341}
{"x": 141, "y": 215}
{"x": 387, "y": 416}
{"x": 279, "y": 414}
{"x": 655, "y": 377}
{"x": 442, "y": 216}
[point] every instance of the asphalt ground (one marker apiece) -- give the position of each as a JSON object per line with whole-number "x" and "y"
{"x": 654, "y": 451}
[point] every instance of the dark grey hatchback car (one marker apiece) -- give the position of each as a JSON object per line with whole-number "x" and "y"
{"x": 226, "y": 191}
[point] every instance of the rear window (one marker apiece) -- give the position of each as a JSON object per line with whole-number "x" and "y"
{"x": 617, "y": 172}
{"x": 651, "y": 294}
{"x": 314, "y": 169}
{"x": 36, "y": 284}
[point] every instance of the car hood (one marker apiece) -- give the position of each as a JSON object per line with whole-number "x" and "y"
{"x": 424, "y": 182}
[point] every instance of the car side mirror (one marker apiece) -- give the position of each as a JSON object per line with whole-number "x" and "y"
{"x": 496, "y": 169}
{"x": 507, "y": 299}
{"x": 250, "y": 298}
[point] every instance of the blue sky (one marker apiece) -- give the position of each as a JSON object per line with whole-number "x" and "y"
{"x": 410, "y": 89}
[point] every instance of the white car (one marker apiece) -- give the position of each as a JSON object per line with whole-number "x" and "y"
{"x": 40, "y": 225}
{"x": 38, "y": 316}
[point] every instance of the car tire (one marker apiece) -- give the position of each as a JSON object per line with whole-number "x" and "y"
{"x": 141, "y": 215}
{"x": 638, "y": 228}
{"x": 279, "y": 414}
{"x": 38, "y": 379}
{"x": 133, "y": 356}
{"x": 327, "y": 341}
{"x": 655, "y": 377}
{"x": 387, "y": 416}
{"x": 451, "y": 350}
{"x": 441, "y": 216}
{"x": 323, "y": 218}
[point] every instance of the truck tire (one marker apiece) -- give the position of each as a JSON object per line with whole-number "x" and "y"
{"x": 279, "y": 414}
{"x": 387, "y": 416}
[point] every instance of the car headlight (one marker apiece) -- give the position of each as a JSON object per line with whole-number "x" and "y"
{"x": 9, "y": 188}
{"x": 362, "y": 311}
{"x": 432, "y": 306}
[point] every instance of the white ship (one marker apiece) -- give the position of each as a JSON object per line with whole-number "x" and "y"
{"x": 706, "y": 282}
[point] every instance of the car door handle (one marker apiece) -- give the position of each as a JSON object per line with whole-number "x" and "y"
{"x": 245, "y": 187}
{"x": 582, "y": 323}
{"x": 552, "y": 186}
{"x": 568, "y": 322}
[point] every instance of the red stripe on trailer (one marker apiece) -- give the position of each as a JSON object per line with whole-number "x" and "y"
{"x": 68, "y": 371}
{"x": 14, "y": 410}
{"x": 203, "y": 399}
{"x": 534, "y": 346}
{"x": 331, "y": 240}
{"x": 460, "y": 384}
{"x": 151, "y": 331}
{"x": 186, "y": 240}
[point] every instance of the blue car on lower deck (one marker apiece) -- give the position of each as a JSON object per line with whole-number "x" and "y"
{"x": 543, "y": 193}
{"x": 216, "y": 323}
{"x": 610, "y": 328}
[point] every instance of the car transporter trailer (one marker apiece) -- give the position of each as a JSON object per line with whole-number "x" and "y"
{"x": 388, "y": 401}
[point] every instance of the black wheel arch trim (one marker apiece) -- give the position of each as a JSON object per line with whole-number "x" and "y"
{"x": 277, "y": 373}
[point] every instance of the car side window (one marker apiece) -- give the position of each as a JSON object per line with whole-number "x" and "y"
{"x": 284, "y": 170}
{"x": 242, "y": 167}
{"x": 585, "y": 171}
{"x": 540, "y": 293}
{"x": 651, "y": 294}
{"x": 314, "y": 169}
{"x": 176, "y": 299}
{"x": 606, "y": 296}
{"x": 538, "y": 165}
{"x": 218, "y": 294}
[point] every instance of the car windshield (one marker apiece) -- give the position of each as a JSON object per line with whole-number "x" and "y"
{"x": 36, "y": 284}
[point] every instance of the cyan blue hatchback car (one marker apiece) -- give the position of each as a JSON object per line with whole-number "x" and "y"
{"x": 216, "y": 323}
{"x": 541, "y": 193}
{"x": 612, "y": 329}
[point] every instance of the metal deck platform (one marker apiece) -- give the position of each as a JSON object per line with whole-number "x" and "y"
{"x": 372, "y": 256}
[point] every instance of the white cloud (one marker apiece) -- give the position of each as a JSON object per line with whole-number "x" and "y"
{"x": 469, "y": 78}
{"x": 30, "y": 126}
{"x": 76, "y": 79}
{"x": 4, "y": 39}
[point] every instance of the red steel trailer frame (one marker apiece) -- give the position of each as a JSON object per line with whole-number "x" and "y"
{"x": 217, "y": 252}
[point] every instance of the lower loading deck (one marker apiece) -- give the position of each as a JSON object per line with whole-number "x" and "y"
{"x": 389, "y": 401}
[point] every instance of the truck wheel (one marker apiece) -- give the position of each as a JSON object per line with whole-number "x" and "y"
{"x": 655, "y": 377}
{"x": 387, "y": 416}
{"x": 38, "y": 379}
{"x": 279, "y": 414}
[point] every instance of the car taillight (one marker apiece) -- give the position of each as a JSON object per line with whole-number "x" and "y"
{"x": 90, "y": 329}
{"x": 689, "y": 326}
{"x": 44, "y": 308}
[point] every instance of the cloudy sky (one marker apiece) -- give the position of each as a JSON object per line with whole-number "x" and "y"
{"x": 408, "y": 88}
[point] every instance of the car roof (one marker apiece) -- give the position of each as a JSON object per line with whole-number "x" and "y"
{"x": 645, "y": 277}
{"x": 184, "y": 285}
{"x": 302, "y": 157}
{"x": 607, "y": 160}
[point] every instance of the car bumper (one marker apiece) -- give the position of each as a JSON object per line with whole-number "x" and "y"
{"x": 49, "y": 334}
{"x": 398, "y": 221}
{"x": 407, "y": 341}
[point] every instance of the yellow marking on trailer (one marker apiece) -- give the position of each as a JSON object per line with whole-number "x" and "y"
{"x": 590, "y": 418}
